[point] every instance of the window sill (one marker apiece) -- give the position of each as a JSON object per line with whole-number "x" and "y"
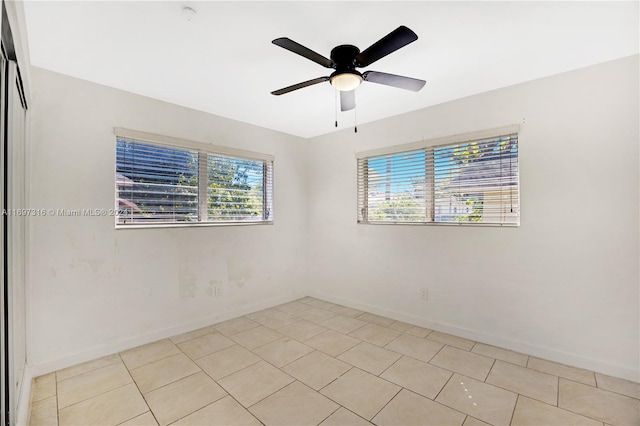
{"x": 190, "y": 225}
{"x": 498, "y": 225}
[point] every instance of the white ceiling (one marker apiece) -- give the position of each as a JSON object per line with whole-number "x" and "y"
{"x": 224, "y": 63}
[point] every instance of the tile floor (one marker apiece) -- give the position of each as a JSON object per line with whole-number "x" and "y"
{"x": 311, "y": 362}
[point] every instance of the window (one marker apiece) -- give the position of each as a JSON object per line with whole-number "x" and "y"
{"x": 159, "y": 183}
{"x": 460, "y": 180}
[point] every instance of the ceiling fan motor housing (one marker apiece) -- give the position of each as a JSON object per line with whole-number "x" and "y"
{"x": 344, "y": 57}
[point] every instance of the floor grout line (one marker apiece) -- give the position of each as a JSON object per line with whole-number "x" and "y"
{"x": 489, "y": 372}
{"x": 513, "y": 412}
{"x": 443, "y": 386}
{"x": 274, "y": 392}
{"x": 139, "y": 391}
{"x": 388, "y": 402}
{"x": 97, "y": 395}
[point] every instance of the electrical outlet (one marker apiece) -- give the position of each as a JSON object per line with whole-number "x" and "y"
{"x": 424, "y": 294}
{"x": 217, "y": 291}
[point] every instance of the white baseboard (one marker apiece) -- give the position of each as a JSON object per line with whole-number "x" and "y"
{"x": 141, "y": 339}
{"x": 572, "y": 359}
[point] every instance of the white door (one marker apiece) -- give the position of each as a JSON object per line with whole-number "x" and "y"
{"x": 15, "y": 234}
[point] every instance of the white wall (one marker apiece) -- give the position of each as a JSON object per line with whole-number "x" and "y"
{"x": 96, "y": 290}
{"x": 567, "y": 286}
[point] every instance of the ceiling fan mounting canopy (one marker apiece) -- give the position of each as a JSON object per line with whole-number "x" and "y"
{"x": 346, "y": 58}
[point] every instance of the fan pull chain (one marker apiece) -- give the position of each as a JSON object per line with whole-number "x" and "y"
{"x": 355, "y": 119}
{"x": 335, "y": 105}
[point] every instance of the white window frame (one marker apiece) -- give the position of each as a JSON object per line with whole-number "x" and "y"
{"x": 203, "y": 150}
{"x": 427, "y": 145}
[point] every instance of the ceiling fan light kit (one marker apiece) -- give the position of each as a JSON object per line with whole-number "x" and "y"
{"x": 346, "y": 58}
{"x": 346, "y": 81}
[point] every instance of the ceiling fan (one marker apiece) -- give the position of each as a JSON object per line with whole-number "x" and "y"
{"x": 346, "y": 58}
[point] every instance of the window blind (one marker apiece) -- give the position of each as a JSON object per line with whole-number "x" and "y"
{"x": 238, "y": 189}
{"x": 155, "y": 183}
{"x": 161, "y": 184}
{"x": 470, "y": 182}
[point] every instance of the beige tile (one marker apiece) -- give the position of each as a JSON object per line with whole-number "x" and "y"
{"x": 417, "y": 376}
{"x": 375, "y": 334}
{"x": 470, "y": 421}
{"x": 294, "y": 405}
{"x": 463, "y": 362}
{"x": 414, "y": 347}
{"x": 180, "y": 338}
{"x": 370, "y": 358}
{"x": 376, "y": 319}
{"x": 414, "y": 330}
{"x": 322, "y": 304}
{"x": 301, "y": 330}
{"x": 346, "y": 311}
{"x": 344, "y": 417}
{"x": 530, "y": 412}
{"x": 282, "y": 351}
{"x": 137, "y": 357}
{"x": 316, "y": 369}
{"x": 419, "y": 331}
{"x": 501, "y": 354}
{"x": 205, "y": 345}
{"x": 43, "y": 387}
{"x": 400, "y": 326}
{"x": 227, "y": 361}
{"x": 109, "y": 408}
{"x": 262, "y": 313}
{"x": 145, "y": 419}
{"x": 44, "y": 412}
{"x": 342, "y": 324}
{"x": 306, "y": 299}
{"x": 293, "y": 308}
{"x": 451, "y": 340}
{"x": 178, "y": 399}
{"x": 566, "y": 371}
{"x": 225, "y": 412}
{"x": 407, "y": 408}
{"x": 531, "y": 383}
{"x": 255, "y": 382}
{"x": 235, "y": 326}
{"x": 276, "y": 320}
{"x": 598, "y": 404}
{"x": 85, "y": 367}
{"x": 480, "y": 400}
{"x": 162, "y": 372}
{"x": 361, "y": 392}
{"x": 87, "y": 385}
{"x": 621, "y": 386}
{"x": 332, "y": 343}
{"x": 316, "y": 315}
{"x": 256, "y": 337}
